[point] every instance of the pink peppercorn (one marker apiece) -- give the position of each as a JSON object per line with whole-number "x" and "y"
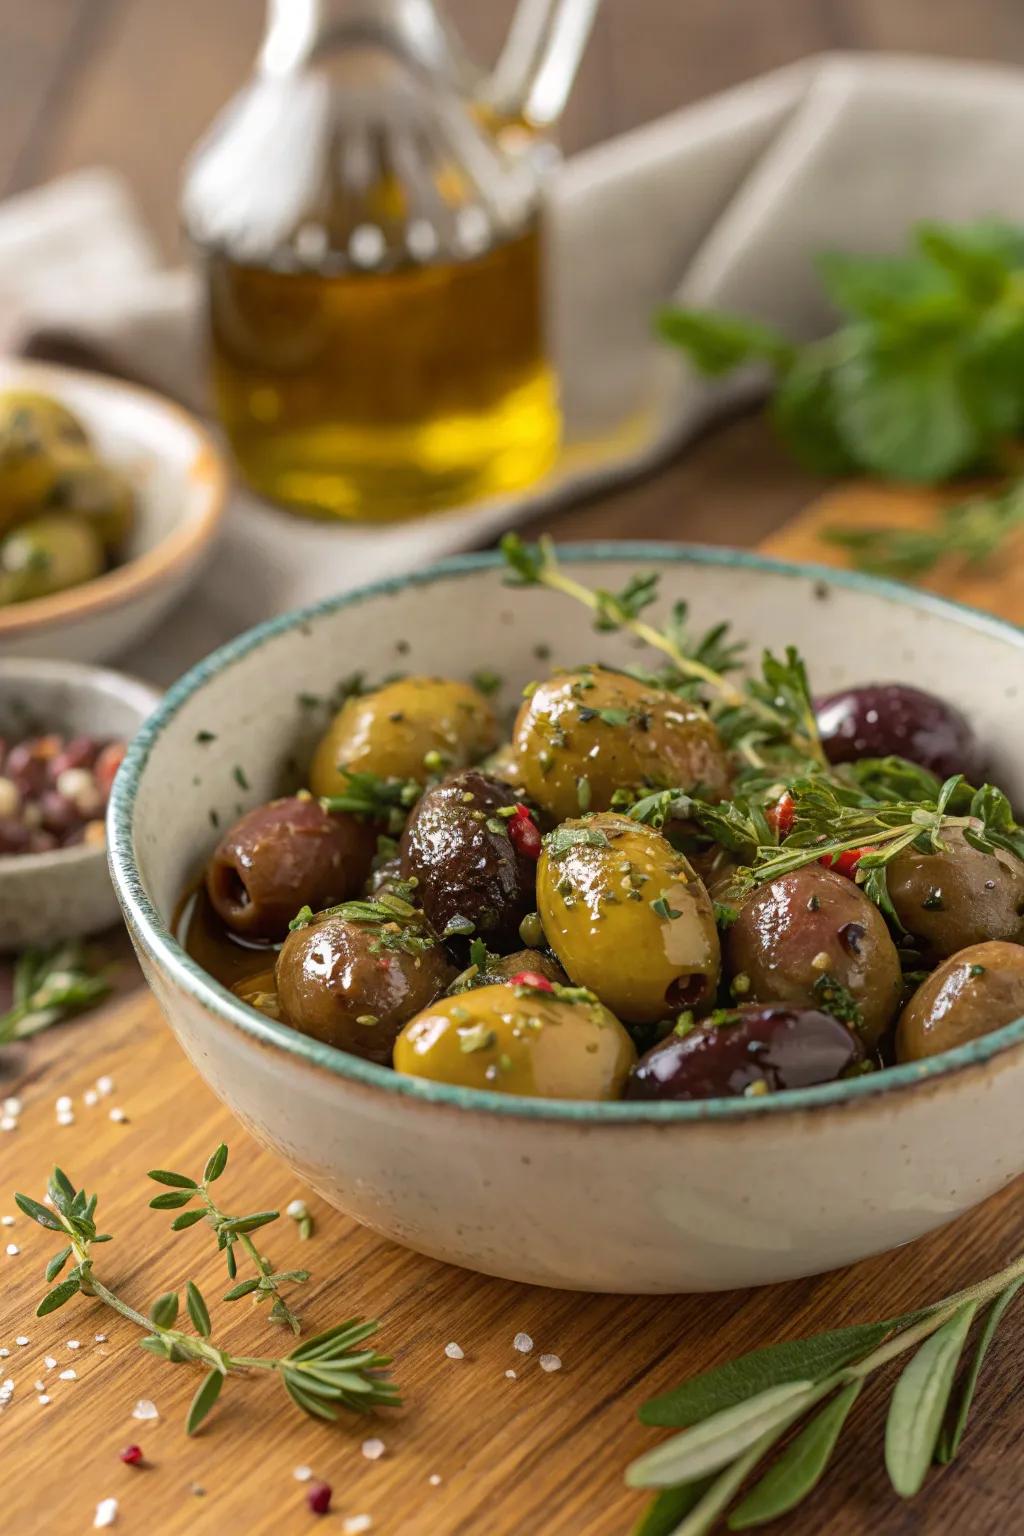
{"x": 131, "y": 1454}
{"x": 318, "y": 1497}
{"x": 532, "y": 979}
{"x": 524, "y": 834}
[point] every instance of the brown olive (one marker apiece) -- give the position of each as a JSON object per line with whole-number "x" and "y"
{"x": 813, "y": 937}
{"x": 523, "y": 961}
{"x": 410, "y": 729}
{"x": 958, "y": 897}
{"x": 457, "y": 849}
{"x": 969, "y": 995}
{"x": 754, "y": 1049}
{"x": 354, "y": 984}
{"x": 583, "y": 735}
{"x": 282, "y": 856}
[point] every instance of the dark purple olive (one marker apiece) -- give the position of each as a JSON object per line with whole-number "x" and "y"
{"x": 879, "y": 719}
{"x": 282, "y": 856}
{"x": 757, "y": 1048}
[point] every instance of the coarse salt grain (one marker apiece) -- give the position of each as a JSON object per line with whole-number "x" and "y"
{"x": 356, "y": 1524}
{"x": 40, "y": 1386}
{"x": 73, "y": 1344}
{"x": 12, "y": 1250}
{"x": 90, "y": 1097}
{"x": 22, "y": 1340}
{"x": 511, "y": 1375}
{"x": 49, "y": 1362}
{"x": 106, "y": 1513}
{"x": 8, "y": 1123}
{"x": 302, "y": 1474}
{"x": 12, "y": 1106}
{"x": 104, "y": 1085}
{"x": 42, "y": 1399}
{"x": 550, "y": 1363}
{"x": 296, "y": 1209}
{"x": 65, "y": 1118}
{"x": 373, "y": 1449}
{"x": 434, "y": 1480}
{"x": 68, "y": 1375}
{"x": 100, "y": 1338}
{"x": 118, "y": 1116}
{"x": 6, "y": 1221}
{"x": 63, "y": 1104}
{"x": 454, "y": 1352}
{"x": 523, "y": 1343}
{"x": 4, "y": 1353}
{"x": 144, "y": 1409}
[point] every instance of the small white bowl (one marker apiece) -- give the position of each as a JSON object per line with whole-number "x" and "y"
{"x": 46, "y": 897}
{"x": 180, "y": 482}
{"x": 625, "y": 1197}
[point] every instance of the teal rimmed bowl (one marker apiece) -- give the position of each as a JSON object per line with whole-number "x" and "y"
{"x": 613, "y": 1197}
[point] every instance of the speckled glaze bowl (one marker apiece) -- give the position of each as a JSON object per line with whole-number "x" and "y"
{"x": 46, "y": 897}
{"x": 606, "y": 1197}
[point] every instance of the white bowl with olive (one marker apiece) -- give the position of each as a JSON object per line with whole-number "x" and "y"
{"x": 626, "y": 963}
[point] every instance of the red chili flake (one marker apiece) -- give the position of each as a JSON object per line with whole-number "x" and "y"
{"x": 531, "y": 979}
{"x": 524, "y": 834}
{"x": 845, "y": 863}
{"x": 131, "y": 1454}
{"x": 318, "y": 1497}
{"x": 781, "y": 814}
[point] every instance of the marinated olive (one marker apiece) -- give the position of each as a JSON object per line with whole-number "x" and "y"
{"x": 521, "y": 1041}
{"x": 405, "y": 730}
{"x": 354, "y": 984}
{"x": 583, "y": 735}
{"x": 971, "y": 994}
{"x": 48, "y": 554}
{"x": 283, "y": 856}
{"x": 813, "y": 937}
{"x": 958, "y": 897}
{"x": 877, "y": 719}
{"x": 754, "y": 1049}
{"x": 627, "y": 917}
{"x": 37, "y": 435}
{"x": 101, "y": 496}
{"x": 530, "y": 962}
{"x": 458, "y": 850}
{"x": 260, "y": 992}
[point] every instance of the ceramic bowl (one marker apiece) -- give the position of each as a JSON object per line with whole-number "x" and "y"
{"x": 622, "y": 1197}
{"x": 180, "y": 483}
{"x": 45, "y": 897}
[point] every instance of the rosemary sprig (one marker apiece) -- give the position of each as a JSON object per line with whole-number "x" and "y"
{"x": 771, "y": 711}
{"x": 330, "y": 1371}
{"x": 231, "y": 1232}
{"x": 51, "y": 985}
{"x": 733, "y": 1415}
{"x": 970, "y": 531}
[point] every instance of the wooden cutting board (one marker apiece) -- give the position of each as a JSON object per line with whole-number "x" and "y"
{"x": 540, "y": 1454}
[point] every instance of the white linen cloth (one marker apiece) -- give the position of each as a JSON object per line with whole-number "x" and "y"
{"x": 724, "y": 203}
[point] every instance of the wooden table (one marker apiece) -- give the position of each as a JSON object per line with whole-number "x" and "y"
{"x": 132, "y": 82}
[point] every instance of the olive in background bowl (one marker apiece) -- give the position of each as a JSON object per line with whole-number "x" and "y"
{"x": 609, "y": 1196}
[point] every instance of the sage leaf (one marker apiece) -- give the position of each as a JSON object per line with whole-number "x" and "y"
{"x": 197, "y": 1309}
{"x": 216, "y": 1165}
{"x": 57, "y": 1263}
{"x": 665, "y": 1511}
{"x": 164, "y": 1310}
{"x": 718, "y": 1439}
{"x": 949, "y": 1440}
{"x": 704, "y": 1515}
{"x": 57, "y": 1297}
{"x": 723, "y": 1385}
{"x": 176, "y": 1180}
{"x": 919, "y": 1402}
{"x": 800, "y": 1467}
{"x": 206, "y": 1396}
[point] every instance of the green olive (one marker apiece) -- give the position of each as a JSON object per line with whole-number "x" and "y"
{"x": 969, "y": 995}
{"x": 38, "y": 436}
{"x": 583, "y": 735}
{"x": 627, "y": 917}
{"x": 48, "y": 554}
{"x": 410, "y": 729}
{"x": 101, "y": 496}
{"x": 521, "y": 1041}
{"x": 959, "y": 896}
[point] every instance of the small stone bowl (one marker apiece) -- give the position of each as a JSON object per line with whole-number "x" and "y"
{"x": 46, "y": 897}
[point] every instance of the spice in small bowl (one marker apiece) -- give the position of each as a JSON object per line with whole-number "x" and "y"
{"x": 54, "y": 791}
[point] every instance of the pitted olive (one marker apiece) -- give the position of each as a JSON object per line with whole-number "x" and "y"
{"x": 627, "y": 917}
{"x": 519, "y": 1040}
{"x": 583, "y": 735}
{"x": 411, "y": 729}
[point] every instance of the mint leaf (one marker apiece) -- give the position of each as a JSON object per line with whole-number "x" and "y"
{"x": 804, "y": 414}
{"x": 717, "y": 343}
{"x": 876, "y": 287}
{"x": 902, "y": 412}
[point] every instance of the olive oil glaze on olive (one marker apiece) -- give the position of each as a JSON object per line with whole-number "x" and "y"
{"x": 489, "y": 914}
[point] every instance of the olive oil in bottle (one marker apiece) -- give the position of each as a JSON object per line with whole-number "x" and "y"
{"x": 376, "y": 395}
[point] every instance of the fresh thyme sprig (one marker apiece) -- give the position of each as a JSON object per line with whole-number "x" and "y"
{"x": 231, "y": 1232}
{"x": 734, "y": 1415}
{"x": 329, "y": 1371}
{"x": 771, "y": 711}
{"x": 970, "y": 531}
{"x": 51, "y": 985}
{"x": 388, "y": 801}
